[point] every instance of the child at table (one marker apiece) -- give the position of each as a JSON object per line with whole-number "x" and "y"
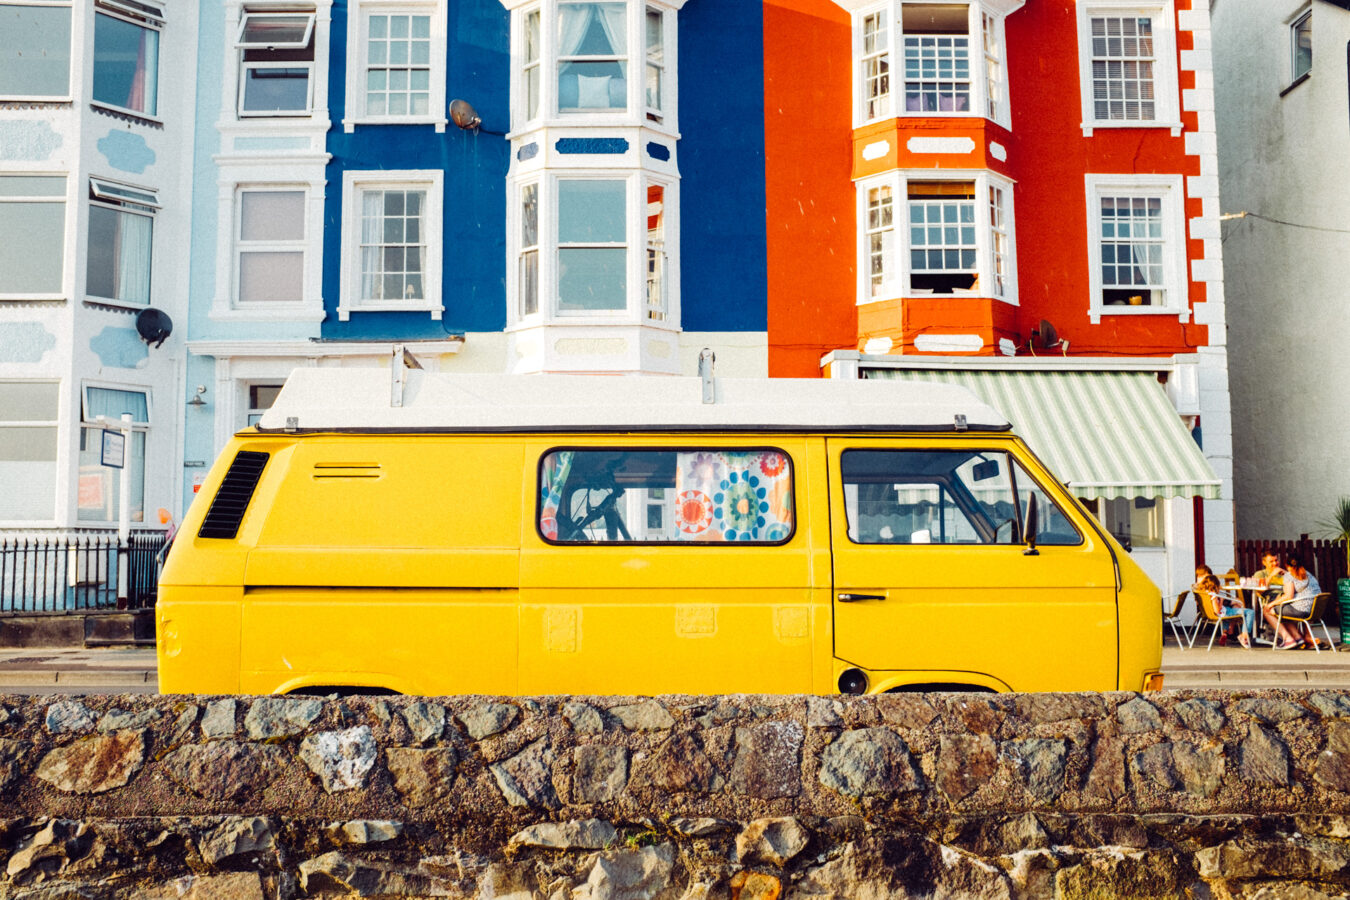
{"x": 1223, "y": 604}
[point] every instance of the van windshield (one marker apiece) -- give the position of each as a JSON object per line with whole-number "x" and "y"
{"x": 945, "y": 497}
{"x": 690, "y": 495}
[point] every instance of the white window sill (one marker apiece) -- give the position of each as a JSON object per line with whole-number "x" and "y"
{"x": 349, "y": 125}
{"x": 32, "y": 298}
{"x": 116, "y": 304}
{"x": 289, "y": 114}
{"x": 1089, "y": 127}
{"x": 1096, "y": 313}
{"x": 130, "y": 113}
{"x": 290, "y": 312}
{"x": 345, "y": 312}
{"x": 18, "y": 99}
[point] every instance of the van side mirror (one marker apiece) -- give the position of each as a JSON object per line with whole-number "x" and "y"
{"x": 1031, "y": 527}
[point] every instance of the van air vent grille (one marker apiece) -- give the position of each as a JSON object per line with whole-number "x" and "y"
{"x": 227, "y": 509}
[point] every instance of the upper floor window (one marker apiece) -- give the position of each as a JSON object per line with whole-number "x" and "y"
{"x": 396, "y": 56}
{"x": 593, "y": 246}
{"x": 270, "y": 245}
{"x": 957, "y": 239}
{"x": 391, "y": 228}
{"x": 947, "y": 56}
{"x": 1300, "y": 41}
{"x": 121, "y": 238}
{"x": 593, "y": 57}
{"x": 34, "y": 51}
{"x": 126, "y": 55}
{"x": 1127, "y": 65}
{"x": 276, "y": 71}
{"x": 1136, "y": 245}
{"x": 33, "y": 221}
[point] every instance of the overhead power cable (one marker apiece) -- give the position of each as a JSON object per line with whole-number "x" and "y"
{"x": 1251, "y": 215}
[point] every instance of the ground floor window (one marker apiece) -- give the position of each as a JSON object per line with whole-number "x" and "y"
{"x": 99, "y": 487}
{"x": 1134, "y": 521}
{"x": 28, "y": 436}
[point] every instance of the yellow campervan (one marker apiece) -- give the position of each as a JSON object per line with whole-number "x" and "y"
{"x": 393, "y": 530}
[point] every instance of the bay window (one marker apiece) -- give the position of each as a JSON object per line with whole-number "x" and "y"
{"x": 34, "y": 51}
{"x": 580, "y": 58}
{"x": 946, "y": 59}
{"x": 126, "y": 55}
{"x": 121, "y": 242}
{"x": 593, "y": 245}
{"x": 957, "y": 238}
{"x": 1127, "y": 65}
{"x": 1136, "y": 245}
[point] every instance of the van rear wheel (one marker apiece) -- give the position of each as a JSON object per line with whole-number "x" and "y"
{"x": 341, "y": 690}
{"x": 940, "y": 687}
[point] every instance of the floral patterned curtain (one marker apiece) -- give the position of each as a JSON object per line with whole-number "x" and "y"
{"x": 733, "y": 496}
{"x": 557, "y": 466}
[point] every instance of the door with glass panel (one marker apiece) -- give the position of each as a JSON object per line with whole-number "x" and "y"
{"x": 932, "y": 572}
{"x": 654, "y": 565}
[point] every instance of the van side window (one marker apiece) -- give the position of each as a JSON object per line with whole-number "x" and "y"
{"x": 693, "y": 495}
{"x": 944, "y": 497}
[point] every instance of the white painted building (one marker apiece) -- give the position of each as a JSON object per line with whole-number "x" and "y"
{"x": 96, "y": 124}
{"x": 1284, "y": 160}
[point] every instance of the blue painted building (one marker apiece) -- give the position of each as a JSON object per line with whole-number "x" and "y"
{"x": 578, "y": 226}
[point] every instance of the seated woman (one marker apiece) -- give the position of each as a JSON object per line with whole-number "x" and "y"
{"x": 1225, "y": 604}
{"x": 1300, "y": 590}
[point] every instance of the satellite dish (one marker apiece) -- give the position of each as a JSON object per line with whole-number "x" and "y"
{"x": 1046, "y": 334}
{"x": 153, "y": 325}
{"x": 464, "y": 115}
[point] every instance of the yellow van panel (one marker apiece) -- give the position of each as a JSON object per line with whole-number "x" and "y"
{"x": 413, "y": 641}
{"x": 197, "y": 640}
{"x": 382, "y": 567}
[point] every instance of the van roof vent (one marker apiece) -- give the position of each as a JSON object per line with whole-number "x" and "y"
{"x": 227, "y": 509}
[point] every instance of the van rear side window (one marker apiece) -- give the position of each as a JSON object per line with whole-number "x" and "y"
{"x": 685, "y": 495}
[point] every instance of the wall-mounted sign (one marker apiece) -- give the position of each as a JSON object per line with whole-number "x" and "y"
{"x": 114, "y": 449}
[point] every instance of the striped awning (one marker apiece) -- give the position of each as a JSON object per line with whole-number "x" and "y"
{"x": 1106, "y": 434}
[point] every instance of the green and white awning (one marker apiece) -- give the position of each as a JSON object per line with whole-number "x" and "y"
{"x": 1106, "y": 434}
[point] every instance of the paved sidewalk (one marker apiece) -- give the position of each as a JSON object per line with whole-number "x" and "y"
{"x": 105, "y": 670}
{"x": 118, "y": 670}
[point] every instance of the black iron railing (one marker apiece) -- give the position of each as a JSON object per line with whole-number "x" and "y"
{"x": 78, "y": 571}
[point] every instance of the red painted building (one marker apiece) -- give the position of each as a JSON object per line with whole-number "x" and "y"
{"x": 945, "y": 178}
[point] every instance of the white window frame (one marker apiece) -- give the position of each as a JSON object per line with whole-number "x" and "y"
{"x": 521, "y": 313}
{"x": 240, "y": 246}
{"x": 124, "y": 199}
{"x": 1166, "y": 86}
{"x": 358, "y": 24}
{"x": 1294, "y": 22}
{"x": 70, "y": 52}
{"x": 659, "y": 311}
{"x": 354, "y": 184}
{"x": 241, "y": 47}
{"x": 150, "y": 17}
{"x": 895, "y": 285}
{"x": 64, "y": 249}
{"x": 52, "y": 423}
{"x": 893, "y": 106}
{"x": 635, "y": 311}
{"x": 1176, "y": 292}
{"x": 137, "y": 426}
{"x": 636, "y": 110}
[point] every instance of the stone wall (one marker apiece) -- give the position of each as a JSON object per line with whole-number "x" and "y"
{"x": 678, "y": 798}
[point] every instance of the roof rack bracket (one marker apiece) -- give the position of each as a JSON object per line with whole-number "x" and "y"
{"x": 706, "y": 360}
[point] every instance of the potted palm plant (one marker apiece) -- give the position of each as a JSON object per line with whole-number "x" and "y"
{"x": 1339, "y": 527}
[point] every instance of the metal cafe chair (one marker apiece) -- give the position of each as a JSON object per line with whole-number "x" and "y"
{"x": 1316, "y": 614}
{"x": 1173, "y": 618}
{"x": 1208, "y": 616}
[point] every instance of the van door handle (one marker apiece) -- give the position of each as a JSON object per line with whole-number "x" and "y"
{"x": 854, "y": 598}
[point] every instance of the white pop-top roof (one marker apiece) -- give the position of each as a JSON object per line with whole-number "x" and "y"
{"x": 323, "y": 399}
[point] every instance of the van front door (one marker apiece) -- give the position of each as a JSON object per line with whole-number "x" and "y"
{"x": 933, "y": 581}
